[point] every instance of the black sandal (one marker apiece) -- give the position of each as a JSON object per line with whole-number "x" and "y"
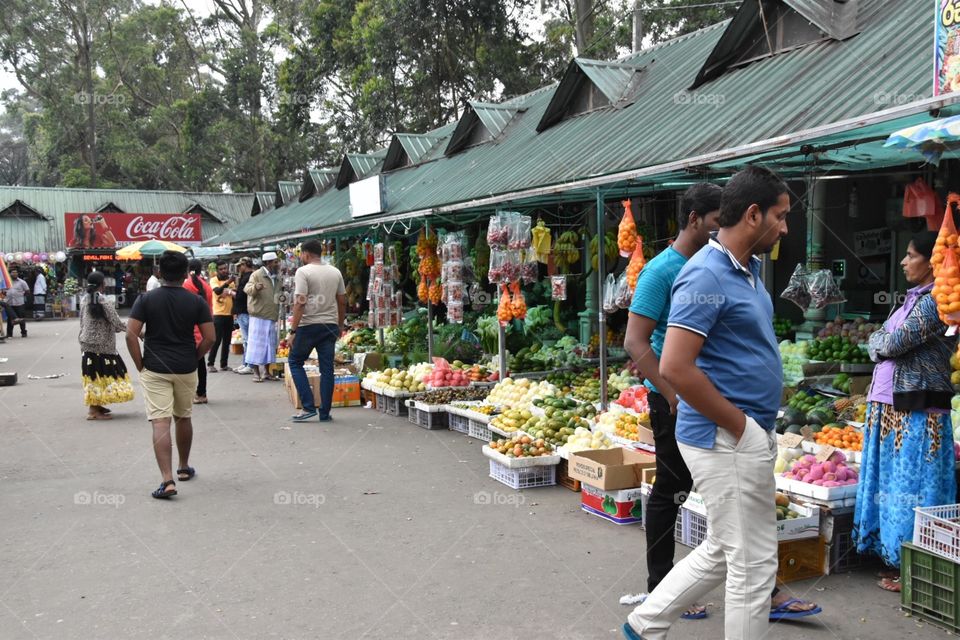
{"x": 187, "y": 471}
{"x": 160, "y": 494}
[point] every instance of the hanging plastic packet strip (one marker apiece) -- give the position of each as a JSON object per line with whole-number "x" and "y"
{"x": 558, "y": 287}
{"x": 378, "y": 253}
{"x": 610, "y": 295}
{"x": 392, "y": 254}
{"x": 798, "y": 288}
{"x": 455, "y": 312}
{"x": 824, "y": 290}
{"x": 454, "y": 292}
{"x": 623, "y": 296}
{"x": 453, "y": 271}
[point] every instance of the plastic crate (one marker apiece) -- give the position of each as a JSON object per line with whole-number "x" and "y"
{"x": 427, "y": 419}
{"x": 677, "y": 528}
{"x": 930, "y": 587}
{"x": 564, "y": 479}
{"x": 800, "y": 559}
{"x": 694, "y": 527}
{"x": 843, "y": 551}
{"x": 524, "y": 478}
{"x": 458, "y": 423}
{"x": 396, "y": 407}
{"x": 479, "y": 430}
{"x": 937, "y": 530}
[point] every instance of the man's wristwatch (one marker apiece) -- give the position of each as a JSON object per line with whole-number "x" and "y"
{"x": 292, "y": 331}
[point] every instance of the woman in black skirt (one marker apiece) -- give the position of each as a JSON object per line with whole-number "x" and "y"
{"x": 105, "y": 378}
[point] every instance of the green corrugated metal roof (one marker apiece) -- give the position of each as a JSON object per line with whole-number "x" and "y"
{"x": 408, "y": 148}
{"x": 357, "y": 166}
{"x": 264, "y": 201}
{"x": 287, "y": 192}
{"x": 811, "y": 86}
{"x": 612, "y": 78}
{"x": 316, "y": 181}
{"x": 20, "y": 234}
{"x": 837, "y": 19}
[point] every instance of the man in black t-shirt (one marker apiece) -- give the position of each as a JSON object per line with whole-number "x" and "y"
{"x": 168, "y": 363}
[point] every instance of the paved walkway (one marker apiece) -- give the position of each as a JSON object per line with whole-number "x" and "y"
{"x": 368, "y": 527}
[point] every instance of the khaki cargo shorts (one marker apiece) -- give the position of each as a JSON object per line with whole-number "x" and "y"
{"x": 168, "y": 395}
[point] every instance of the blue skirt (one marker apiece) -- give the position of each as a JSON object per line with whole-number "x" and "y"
{"x": 908, "y": 462}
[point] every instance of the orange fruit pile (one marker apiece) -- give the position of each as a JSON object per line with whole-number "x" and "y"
{"x": 840, "y": 437}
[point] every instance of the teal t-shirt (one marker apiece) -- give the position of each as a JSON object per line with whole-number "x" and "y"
{"x": 651, "y": 298}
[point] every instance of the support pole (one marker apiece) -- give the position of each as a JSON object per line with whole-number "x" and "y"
{"x": 429, "y": 313}
{"x": 602, "y": 316}
{"x": 502, "y": 349}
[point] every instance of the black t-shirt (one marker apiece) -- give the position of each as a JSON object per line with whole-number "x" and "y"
{"x": 170, "y": 314}
{"x": 240, "y": 300}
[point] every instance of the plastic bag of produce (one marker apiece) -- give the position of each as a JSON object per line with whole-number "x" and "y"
{"x": 627, "y": 231}
{"x": 520, "y": 229}
{"x": 798, "y": 288}
{"x": 558, "y": 287}
{"x": 530, "y": 267}
{"x": 496, "y": 273}
{"x": 610, "y": 294}
{"x": 498, "y": 231}
{"x": 624, "y": 295}
{"x": 824, "y": 290}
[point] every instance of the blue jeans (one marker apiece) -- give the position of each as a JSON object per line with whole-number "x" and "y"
{"x": 323, "y": 338}
{"x": 243, "y": 320}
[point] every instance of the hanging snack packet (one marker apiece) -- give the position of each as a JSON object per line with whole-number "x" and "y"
{"x": 798, "y": 288}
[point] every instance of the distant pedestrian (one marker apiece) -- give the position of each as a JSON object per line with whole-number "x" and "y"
{"x": 245, "y": 267}
{"x": 153, "y": 282}
{"x": 721, "y": 357}
{"x": 105, "y": 377}
{"x": 262, "y": 292}
{"x": 197, "y": 283}
{"x": 319, "y": 306}
{"x": 39, "y": 294}
{"x": 168, "y": 363}
{"x": 17, "y": 299}
{"x": 224, "y": 288}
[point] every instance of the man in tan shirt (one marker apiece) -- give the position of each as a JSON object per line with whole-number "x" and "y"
{"x": 319, "y": 306}
{"x": 262, "y": 292}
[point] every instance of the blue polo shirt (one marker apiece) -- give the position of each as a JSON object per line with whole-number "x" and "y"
{"x": 725, "y": 302}
{"x": 651, "y": 298}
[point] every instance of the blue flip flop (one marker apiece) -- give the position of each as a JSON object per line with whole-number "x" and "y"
{"x": 700, "y": 615}
{"x": 629, "y": 633}
{"x": 783, "y": 611}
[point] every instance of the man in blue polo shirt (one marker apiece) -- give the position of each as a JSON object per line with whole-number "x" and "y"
{"x": 720, "y": 355}
{"x": 646, "y": 328}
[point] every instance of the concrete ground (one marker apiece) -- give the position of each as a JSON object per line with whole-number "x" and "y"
{"x": 368, "y": 527}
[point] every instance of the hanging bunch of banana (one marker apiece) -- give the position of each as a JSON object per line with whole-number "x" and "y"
{"x": 566, "y": 252}
{"x": 610, "y": 250}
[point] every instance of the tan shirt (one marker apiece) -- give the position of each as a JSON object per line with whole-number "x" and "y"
{"x": 320, "y": 283}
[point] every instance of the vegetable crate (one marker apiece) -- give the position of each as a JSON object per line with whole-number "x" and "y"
{"x": 843, "y": 551}
{"x": 427, "y": 419}
{"x": 479, "y": 430}
{"x": 458, "y": 423}
{"x": 930, "y": 587}
{"x": 800, "y": 559}
{"x": 937, "y": 530}
{"x": 524, "y": 477}
{"x": 395, "y": 407}
{"x": 694, "y": 527}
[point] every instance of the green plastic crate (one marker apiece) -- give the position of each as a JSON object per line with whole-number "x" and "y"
{"x": 930, "y": 587}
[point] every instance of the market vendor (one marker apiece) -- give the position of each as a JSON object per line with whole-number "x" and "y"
{"x": 908, "y": 457}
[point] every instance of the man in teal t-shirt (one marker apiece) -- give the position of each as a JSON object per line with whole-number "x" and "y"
{"x": 646, "y": 327}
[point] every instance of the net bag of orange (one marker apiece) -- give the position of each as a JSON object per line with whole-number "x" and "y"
{"x": 504, "y": 308}
{"x": 636, "y": 264}
{"x": 423, "y": 292}
{"x": 627, "y": 231}
{"x": 946, "y": 267}
{"x": 518, "y": 305}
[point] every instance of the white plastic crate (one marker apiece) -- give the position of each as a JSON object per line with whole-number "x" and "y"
{"x": 677, "y": 527}
{"x": 694, "y": 527}
{"x": 937, "y": 530}
{"x": 392, "y": 406}
{"x": 479, "y": 431}
{"x": 524, "y": 478}
{"x": 458, "y": 423}
{"x": 427, "y": 419}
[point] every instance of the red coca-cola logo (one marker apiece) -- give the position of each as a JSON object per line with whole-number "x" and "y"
{"x": 171, "y": 228}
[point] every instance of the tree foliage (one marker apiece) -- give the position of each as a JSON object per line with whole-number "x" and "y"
{"x": 151, "y": 95}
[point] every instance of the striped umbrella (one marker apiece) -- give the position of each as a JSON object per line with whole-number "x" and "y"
{"x": 931, "y": 139}
{"x": 148, "y": 248}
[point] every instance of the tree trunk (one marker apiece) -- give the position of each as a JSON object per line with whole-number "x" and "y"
{"x": 585, "y": 25}
{"x": 84, "y": 47}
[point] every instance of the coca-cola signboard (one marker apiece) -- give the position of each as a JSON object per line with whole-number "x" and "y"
{"x": 111, "y": 230}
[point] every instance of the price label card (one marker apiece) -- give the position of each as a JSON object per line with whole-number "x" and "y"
{"x": 790, "y": 440}
{"x": 825, "y": 452}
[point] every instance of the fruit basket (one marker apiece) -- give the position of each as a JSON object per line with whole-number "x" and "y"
{"x": 520, "y": 463}
{"x": 479, "y": 430}
{"x": 523, "y": 478}
{"x": 426, "y": 418}
{"x": 930, "y": 587}
{"x": 458, "y": 423}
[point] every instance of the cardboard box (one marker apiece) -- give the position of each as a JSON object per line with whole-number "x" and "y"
{"x": 346, "y": 388}
{"x": 624, "y": 506}
{"x": 610, "y": 469}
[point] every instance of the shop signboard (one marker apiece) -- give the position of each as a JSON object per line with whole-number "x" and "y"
{"x": 113, "y": 230}
{"x": 946, "y": 47}
{"x": 872, "y": 242}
